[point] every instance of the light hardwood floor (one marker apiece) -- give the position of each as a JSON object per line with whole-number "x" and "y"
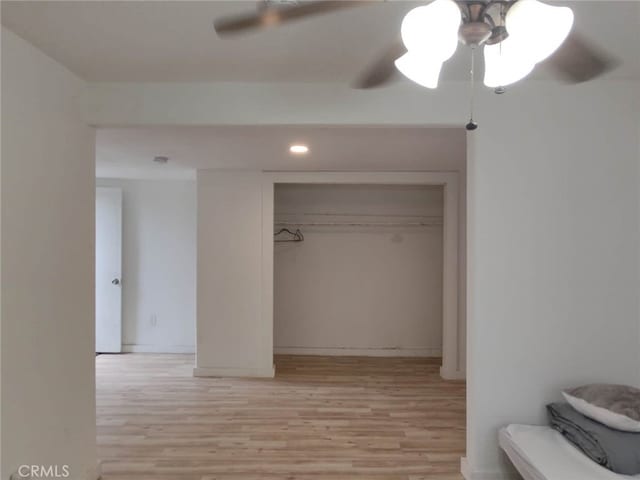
{"x": 321, "y": 418}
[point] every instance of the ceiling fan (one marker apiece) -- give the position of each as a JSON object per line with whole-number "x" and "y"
{"x": 516, "y": 36}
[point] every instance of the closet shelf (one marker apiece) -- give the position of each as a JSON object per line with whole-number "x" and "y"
{"x": 358, "y": 224}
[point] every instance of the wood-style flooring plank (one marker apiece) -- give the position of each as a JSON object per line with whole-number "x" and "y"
{"x": 321, "y": 418}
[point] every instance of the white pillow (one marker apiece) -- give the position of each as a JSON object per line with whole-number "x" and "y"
{"x": 616, "y": 406}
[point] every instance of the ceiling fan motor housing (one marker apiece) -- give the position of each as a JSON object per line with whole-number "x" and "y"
{"x": 483, "y": 21}
{"x": 474, "y": 33}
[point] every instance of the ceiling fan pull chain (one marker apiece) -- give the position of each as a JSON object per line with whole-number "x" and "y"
{"x": 499, "y": 90}
{"x": 472, "y": 125}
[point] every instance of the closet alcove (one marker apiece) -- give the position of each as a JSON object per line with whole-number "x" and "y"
{"x": 366, "y": 278}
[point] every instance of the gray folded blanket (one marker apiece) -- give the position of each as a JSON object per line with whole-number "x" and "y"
{"x": 613, "y": 449}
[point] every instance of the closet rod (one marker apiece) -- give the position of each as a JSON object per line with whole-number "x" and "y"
{"x": 359, "y": 224}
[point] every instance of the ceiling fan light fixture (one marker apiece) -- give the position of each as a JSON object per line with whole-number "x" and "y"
{"x": 430, "y": 34}
{"x": 503, "y": 65}
{"x": 538, "y": 29}
{"x": 432, "y": 27}
{"x": 420, "y": 70}
{"x": 498, "y": 34}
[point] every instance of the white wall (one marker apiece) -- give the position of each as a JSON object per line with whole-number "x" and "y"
{"x": 553, "y": 198}
{"x": 553, "y": 253}
{"x": 354, "y": 290}
{"x": 48, "y": 193}
{"x": 230, "y": 337}
{"x": 235, "y": 260}
{"x": 158, "y": 264}
{"x": 238, "y": 103}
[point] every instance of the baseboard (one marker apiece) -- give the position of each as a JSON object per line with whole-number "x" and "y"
{"x": 465, "y": 469}
{"x": 234, "y": 372}
{"x": 360, "y": 352}
{"x": 131, "y": 348}
{"x": 449, "y": 374}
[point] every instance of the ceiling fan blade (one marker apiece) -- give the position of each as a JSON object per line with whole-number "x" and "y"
{"x": 272, "y": 16}
{"x": 239, "y": 23}
{"x": 577, "y": 60}
{"x": 383, "y": 69}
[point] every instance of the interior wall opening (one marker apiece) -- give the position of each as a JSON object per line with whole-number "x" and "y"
{"x": 358, "y": 270}
{"x": 145, "y": 303}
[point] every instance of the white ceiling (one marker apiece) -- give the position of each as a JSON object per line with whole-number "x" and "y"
{"x": 174, "y": 40}
{"x": 128, "y": 152}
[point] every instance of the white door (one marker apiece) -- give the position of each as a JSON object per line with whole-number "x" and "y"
{"x": 108, "y": 270}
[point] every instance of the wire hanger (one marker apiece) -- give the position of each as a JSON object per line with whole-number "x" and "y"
{"x": 296, "y": 236}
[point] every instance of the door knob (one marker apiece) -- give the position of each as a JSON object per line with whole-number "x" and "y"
{"x": 115, "y": 281}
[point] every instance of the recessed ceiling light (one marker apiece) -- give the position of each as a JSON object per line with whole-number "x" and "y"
{"x": 161, "y": 159}
{"x": 299, "y": 149}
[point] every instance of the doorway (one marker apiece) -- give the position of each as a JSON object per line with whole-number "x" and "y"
{"x": 108, "y": 270}
{"x": 452, "y": 343}
{"x": 139, "y": 222}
